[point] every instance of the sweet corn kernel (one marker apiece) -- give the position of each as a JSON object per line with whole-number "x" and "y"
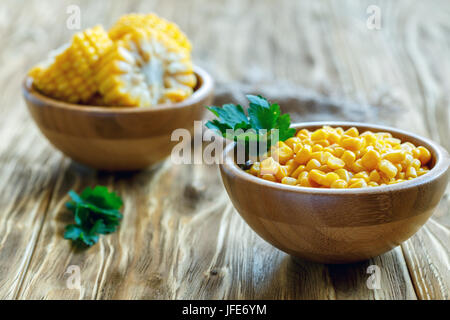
{"x": 292, "y": 142}
{"x": 339, "y": 151}
{"x": 425, "y": 155}
{"x": 343, "y": 174}
{"x": 283, "y": 153}
{"x": 323, "y": 143}
{"x": 422, "y": 171}
{"x": 352, "y": 132}
{"x": 304, "y": 182}
{"x": 325, "y": 168}
{"x": 330, "y": 178}
{"x": 357, "y": 166}
{"x": 319, "y": 134}
{"x": 407, "y": 161}
{"x": 331, "y": 158}
{"x": 348, "y": 157}
{"x": 370, "y": 159}
{"x": 303, "y": 174}
{"x": 296, "y": 173}
{"x": 303, "y": 155}
{"x": 362, "y": 175}
{"x": 269, "y": 166}
{"x": 335, "y": 163}
{"x": 317, "y": 148}
{"x": 411, "y": 172}
{"x": 290, "y": 181}
{"x": 281, "y": 173}
{"x": 339, "y": 184}
{"x": 352, "y": 143}
{"x": 357, "y": 183}
{"x": 415, "y": 153}
{"x": 388, "y": 168}
{"x": 269, "y": 177}
{"x": 255, "y": 169}
{"x": 416, "y": 163}
{"x": 374, "y": 176}
{"x": 317, "y": 176}
{"x": 313, "y": 164}
{"x": 334, "y": 137}
{"x": 304, "y": 132}
{"x": 291, "y": 166}
{"x": 297, "y": 147}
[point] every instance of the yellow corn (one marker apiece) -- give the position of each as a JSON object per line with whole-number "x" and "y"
{"x": 283, "y": 153}
{"x": 424, "y": 155}
{"x": 348, "y": 157}
{"x": 352, "y": 132}
{"x": 347, "y": 160}
{"x": 339, "y": 184}
{"x": 145, "y": 69}
{"x": 129, "y": 22}
{"x": 313, "y": 164}
{"x": 352, "y": 143}
{"x": 69, "y": 74}
{"x": 255, "y": 169}
{"x": 335, "y": 163}
{"x": 395, "y": 156}
{"x": 304, "y": 154}
{"x": 269, "y": 166}
{"x": 288, "y": 180}
{"x": 319, "y": 134}
{"x": 292, "y": 142}
{"x": 298, "y": 171}
{"x": 388, "y": 168}
{"x": 374, "y": 176}
{"x": 370, "y": 159}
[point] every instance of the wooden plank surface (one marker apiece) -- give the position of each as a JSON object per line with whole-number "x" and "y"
{"x": 181, "y": 238}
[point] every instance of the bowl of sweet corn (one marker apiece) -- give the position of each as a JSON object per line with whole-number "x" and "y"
{"x": 111, "y": 99}
{"x": 339, "y": 192}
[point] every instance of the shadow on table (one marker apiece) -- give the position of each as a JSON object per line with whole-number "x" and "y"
{"x": 301, "y": 279}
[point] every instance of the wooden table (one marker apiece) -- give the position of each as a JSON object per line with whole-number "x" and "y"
{"x": 181, "y": 238}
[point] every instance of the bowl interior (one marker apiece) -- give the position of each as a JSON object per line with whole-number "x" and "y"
{"x": 438, "y": 165}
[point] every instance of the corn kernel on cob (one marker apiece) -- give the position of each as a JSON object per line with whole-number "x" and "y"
{"x": 145, "y": 68}
{"x": 68, "y": 74}
{"x": 129, "y": 22}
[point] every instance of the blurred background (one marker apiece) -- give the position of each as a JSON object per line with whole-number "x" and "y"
{"x": 377, "y": 61}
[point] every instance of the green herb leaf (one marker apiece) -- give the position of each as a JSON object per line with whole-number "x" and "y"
{"x": 96, "y": 211}
{"x": 262, "y": 115}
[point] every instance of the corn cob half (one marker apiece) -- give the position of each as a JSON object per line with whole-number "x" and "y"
{"x": 69, "y": 73}
{"x": 127, "y": 23}
{"x": 145, "y": 68}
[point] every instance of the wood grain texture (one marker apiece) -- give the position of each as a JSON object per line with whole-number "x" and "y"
{"x": 181, "y": 237}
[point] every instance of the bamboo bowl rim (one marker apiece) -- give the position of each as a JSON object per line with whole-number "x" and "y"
{"x": 439, "y": 155}
{"x": 204, "y": 79}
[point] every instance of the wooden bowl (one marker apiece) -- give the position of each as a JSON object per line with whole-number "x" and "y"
{"x": 116, "y": 138}
{"x": 337, "y": 225}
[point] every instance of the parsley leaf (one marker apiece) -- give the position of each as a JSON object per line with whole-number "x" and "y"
{"x": 262, "y": 115}
{"x": 96, "y": 211}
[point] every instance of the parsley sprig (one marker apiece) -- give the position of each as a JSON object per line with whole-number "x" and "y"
{"x": 96, "y": 211}
{"x": 261, "y": 115}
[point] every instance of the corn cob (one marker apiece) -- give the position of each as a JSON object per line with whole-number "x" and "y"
{"x": 145, "y": 68}
{"x": 150, "y": 21}
{"x": 68, "y": 74}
